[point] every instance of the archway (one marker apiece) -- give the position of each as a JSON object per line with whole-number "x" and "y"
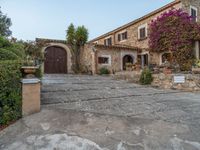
{"x": 55, "y": 60}
{"x": 127, "y": 59}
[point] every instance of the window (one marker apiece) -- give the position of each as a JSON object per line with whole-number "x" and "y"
{"x": 122, "y": 36}
{"x": 142, "y": 32}
{"x": 104, "y": 60}
{"x": 193, "y": 13}
{"x": 108, "y": 41}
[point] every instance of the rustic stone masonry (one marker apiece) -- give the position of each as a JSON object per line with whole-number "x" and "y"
{"x": 132, "y": 29}
{"x": 192, "y": 82}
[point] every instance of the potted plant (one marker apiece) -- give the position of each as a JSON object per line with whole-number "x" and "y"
{"x": 29, "y": 68}
{"x": 196, "y": 66}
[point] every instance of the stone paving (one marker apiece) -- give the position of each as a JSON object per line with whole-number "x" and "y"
{"x": 99, "y": 113}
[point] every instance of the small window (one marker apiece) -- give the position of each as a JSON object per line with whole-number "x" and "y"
{"x": 142, "y": 32}
{"x": 122, "y": 36}
{"x": 108, "y": 41}
{"x": 104, "y": 60}
{"x": 193, "y": 13}
{"x": 119, "y": 37}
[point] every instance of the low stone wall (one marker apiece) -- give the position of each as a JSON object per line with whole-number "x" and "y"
{"x": 166, "y": 81}
{"x": 132, "y": 76}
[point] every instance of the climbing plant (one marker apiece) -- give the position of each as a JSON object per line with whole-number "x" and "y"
{"x": 175, "y": 31}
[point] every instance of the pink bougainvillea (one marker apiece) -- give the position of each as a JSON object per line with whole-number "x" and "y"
{"x": 174, "y": 31}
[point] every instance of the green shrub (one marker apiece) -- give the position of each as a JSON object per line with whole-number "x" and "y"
{"x": 103, "y": 71}
{"x": 4, "y": 42}
{"x": 10, "y": 91}
{"x": 39, "y": 73}
{"x": 17, "y": 49}
{"x": 7, "y": 55}
{"x": 146, "y": 77}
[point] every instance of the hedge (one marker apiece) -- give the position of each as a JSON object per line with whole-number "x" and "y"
{"x": 7, "y": 55}
{"x": 10, "y": 91}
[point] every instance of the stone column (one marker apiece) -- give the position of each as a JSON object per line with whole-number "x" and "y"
{"x": 30, "y": 96}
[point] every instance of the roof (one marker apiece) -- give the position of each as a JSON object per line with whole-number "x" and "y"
{"x": 119, "y": 47}
{"x": 138, "y": 20}
{"x": 50, "y": 40}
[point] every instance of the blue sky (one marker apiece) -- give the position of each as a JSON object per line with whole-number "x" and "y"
{"x": 50, "y": 18}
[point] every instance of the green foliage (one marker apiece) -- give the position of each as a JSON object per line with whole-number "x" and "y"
{"x": 10, "y": 91}
{"x": 4, "y": 42}
{"x": 7, "y": 55}
{"x": 5, "y": 24}
{"x": 104, "y": 71}
{"x": 33, "y": 50}
{"x": 11, "y": 51}
{"x": 81, "y": 35}
{"x": 197, "y": 63}
{"x": 146, "y": 77}
{"x": 39, "y": 73}
{"x": 76, "y": 38}
{"x": 71, "y": 34}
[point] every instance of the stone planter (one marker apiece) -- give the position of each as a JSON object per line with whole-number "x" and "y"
{"x": 196, "y": 70}
{"x": 29, "y": 71}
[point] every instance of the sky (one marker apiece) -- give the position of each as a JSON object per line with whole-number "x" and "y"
{"x": 50, "y": 18}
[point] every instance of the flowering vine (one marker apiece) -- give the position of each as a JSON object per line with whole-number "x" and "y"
{"x": 175, "y": 31}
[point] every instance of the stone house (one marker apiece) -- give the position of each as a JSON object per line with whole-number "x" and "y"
{"x": 135, "y": 35}
{"x": 113, "y": 50}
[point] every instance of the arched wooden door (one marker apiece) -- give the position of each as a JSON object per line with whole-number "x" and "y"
{"x": 55, "y": 60}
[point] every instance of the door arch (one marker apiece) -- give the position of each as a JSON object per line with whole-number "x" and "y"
{"x": 127, "y": 59}
{"x": 55, "y": 60}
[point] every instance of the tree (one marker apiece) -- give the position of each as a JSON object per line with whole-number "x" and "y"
{"x": 5, "y": 24}
{"x": 175, "y": 31}
{"x": 76, "y": 38}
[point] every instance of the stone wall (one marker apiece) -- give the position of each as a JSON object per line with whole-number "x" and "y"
{"x": 87, "y": 59}
{"x": 132, "y": 32}
{"x": 166, "y": 81}
{"x": 187, "y": 3}
{"x": 116, "y": 58}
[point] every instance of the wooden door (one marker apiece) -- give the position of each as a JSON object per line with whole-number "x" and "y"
{"x": 55, "y": 60}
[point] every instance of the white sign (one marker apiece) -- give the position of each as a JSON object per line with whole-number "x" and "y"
{"x": 179, "y": 79}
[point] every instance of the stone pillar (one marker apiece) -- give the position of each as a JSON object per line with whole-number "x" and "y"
{"x": 30, "y": 96}
{"x": 197, "y": 49}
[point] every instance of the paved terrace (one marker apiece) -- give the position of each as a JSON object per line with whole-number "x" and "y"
{"x": 99, "y": 113}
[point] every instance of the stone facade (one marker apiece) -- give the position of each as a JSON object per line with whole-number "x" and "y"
{"x": 133, "y": 27}
{"x": 91, "y": 53}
